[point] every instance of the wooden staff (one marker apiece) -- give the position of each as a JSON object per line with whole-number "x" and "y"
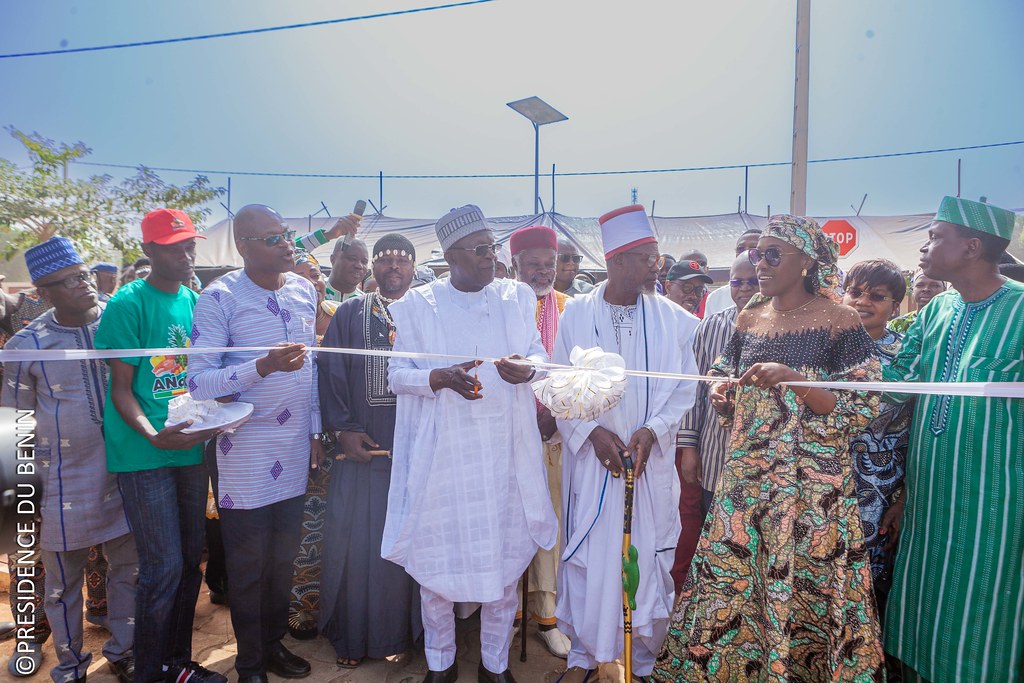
{"x": 382, "y": 454}
{"x": 630, "y": 570}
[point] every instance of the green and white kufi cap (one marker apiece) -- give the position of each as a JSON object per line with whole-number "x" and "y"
{"x": 976, "y": 215}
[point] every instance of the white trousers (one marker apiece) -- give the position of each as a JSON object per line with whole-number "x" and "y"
{"x": 495, "y": 630}
{"x": 643, "y": 657}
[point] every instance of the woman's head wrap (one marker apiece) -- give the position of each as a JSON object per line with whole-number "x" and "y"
{"x": 303, "y": 256}
{"x": 806, "y": 235}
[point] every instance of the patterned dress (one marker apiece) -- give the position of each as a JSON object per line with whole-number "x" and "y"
{"x": 780, "y": 586}
{"x": 901, "y": 324}
{"x": 879, "y": 460}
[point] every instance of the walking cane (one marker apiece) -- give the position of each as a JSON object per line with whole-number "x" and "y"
{"x": 525, "y": 618}
{"x": 630, "y": 571}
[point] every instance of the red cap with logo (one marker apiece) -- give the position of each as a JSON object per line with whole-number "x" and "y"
{"x": 168, "y": 226}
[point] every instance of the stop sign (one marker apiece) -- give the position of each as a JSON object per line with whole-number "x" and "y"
{"x": 844, "y": 234}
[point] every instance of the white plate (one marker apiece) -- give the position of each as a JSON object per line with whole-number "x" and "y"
{"x": 228, "y": 417}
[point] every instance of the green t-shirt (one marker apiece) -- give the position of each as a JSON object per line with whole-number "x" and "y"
{"x": 141, "y": 316}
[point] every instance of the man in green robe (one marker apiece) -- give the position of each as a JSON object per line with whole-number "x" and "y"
{"x": 956, "y": 610}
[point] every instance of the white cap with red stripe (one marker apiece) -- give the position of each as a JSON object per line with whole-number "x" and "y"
{"x": 624, "y": 229}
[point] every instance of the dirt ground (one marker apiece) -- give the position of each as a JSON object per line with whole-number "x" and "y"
{"x": 213, "y": 645}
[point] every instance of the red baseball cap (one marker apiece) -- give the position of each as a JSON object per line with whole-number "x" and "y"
{"x": 168, "y": 226}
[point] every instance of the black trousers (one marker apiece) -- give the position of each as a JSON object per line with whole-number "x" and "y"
{"x": 259, "y": 548}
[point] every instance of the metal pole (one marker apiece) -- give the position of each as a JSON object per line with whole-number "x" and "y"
{"x": 552, "y": 188}
{"x": 958, "y": 165}
{"x": 229, "y": 196}
{"x": 380, "y": 190}
{"x": 536, "y": 166}
{"x": 798, "y": 178}
{"x": 746, "y": 186}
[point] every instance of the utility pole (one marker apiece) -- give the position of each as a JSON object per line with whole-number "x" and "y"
{"x": 798, "y": 178}
{"x": 633, "y": 194}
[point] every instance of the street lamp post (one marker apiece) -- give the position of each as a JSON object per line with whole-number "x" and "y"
{"x": 540, "y": 114}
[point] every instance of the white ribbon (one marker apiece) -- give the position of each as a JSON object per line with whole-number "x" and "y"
{"x": 977, "y": 389}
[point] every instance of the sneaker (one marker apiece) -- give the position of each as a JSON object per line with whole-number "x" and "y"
{"x": 193, "y": 672}
{"x": 26, "y": 662}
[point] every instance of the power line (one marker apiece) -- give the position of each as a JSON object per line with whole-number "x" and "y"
{"x": 375, "y": 176}
{"x": 245, "y": 32}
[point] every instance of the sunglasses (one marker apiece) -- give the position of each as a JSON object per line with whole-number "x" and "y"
{"x": 874, "y": 297}
{"x": 773, "y": 255}
{"x": 273, "y": 240}
{"x": 565, "y": 258}
{"x": 481, "y": 250}
{"x": 750, "y": 281}
{"x": 72, "y": 281}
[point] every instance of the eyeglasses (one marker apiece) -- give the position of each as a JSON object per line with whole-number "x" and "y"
{"x": 565, "y": 258}
{"x": 73, "y": 281}
{"x": 272, "y": 240}
{"x": 773, "y": 255}
{"x": 856, "y": 293}
{"x": 750, "y": 281}
{"x": 690, "y": 289}
{"x": 655, "y": 261}
{"x": 481, "y": 250}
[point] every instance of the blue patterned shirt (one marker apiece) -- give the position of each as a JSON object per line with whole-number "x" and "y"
{"x": 267, "y": 459}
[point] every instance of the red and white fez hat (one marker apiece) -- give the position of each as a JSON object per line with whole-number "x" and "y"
{"x": 625, "y": 228}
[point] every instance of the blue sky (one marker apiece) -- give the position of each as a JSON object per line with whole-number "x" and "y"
{"x": 645, "y": 84}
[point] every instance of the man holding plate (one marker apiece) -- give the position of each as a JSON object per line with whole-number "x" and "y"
{"x": 263, "y": 465}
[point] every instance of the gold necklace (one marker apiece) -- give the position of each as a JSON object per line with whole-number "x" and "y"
{"x": 792, "y": 310}
{"x": 385, "y": 314}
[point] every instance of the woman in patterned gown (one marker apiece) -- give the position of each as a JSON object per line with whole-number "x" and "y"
{"x": 780, "y": 586}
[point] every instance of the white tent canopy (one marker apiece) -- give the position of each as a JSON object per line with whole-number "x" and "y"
{"x": 896, "y": 238}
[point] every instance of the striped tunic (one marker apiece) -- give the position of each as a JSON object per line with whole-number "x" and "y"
{"x": 956, "y": 610}
{"x": 81, "y": 503}
{"x": 267, "y": 459}
{"x": 701, "y": 428}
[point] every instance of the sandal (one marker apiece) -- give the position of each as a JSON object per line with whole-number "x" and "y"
{"x": 346, "y": 663}
{"x": 576, "y": 669}
{"x": 301, "y": 627}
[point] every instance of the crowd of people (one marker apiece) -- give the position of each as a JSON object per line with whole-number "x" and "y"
{"x": 785, "y": 525}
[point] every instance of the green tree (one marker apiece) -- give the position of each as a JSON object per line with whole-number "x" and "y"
{"x": 95, "y": 212}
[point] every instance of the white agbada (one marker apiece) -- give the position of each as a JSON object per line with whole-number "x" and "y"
{"x": 589, "y": 607}
{"x": 468, "y": 505}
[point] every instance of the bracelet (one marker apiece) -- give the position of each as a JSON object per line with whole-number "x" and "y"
{"x": 804, "y": 397}
{"x": 532, "y": 375}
